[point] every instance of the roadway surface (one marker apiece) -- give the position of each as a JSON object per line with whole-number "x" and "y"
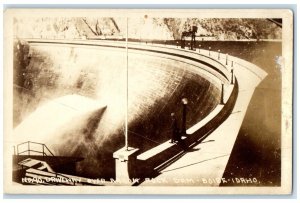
{"x": 205, "y": 163}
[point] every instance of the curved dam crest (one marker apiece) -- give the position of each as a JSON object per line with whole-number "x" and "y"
{"x": 156, "y": 86}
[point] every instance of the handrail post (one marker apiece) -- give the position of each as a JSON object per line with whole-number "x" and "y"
{"x": 222, "y": 94}
{"x": 232, "y": 76}
{"x": 226, "y": 59}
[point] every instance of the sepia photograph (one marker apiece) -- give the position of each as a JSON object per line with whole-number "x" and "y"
{"x": 148, "y": 101}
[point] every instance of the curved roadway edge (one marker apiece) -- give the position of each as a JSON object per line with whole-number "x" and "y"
{"x": 206, "y": 164}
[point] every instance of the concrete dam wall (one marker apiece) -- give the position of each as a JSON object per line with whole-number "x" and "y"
{"x": 156, "y": 83}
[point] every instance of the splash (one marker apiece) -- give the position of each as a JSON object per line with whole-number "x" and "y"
{"x": 49, "y": 122}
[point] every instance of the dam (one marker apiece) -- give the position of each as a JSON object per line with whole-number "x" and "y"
{"x": 82, "y": 95}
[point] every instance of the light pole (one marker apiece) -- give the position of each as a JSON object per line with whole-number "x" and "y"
{"x": 209, "y": 51}
{"x": 126, "y": 110}
{"x": 177, "y": 44}
{"x": 184, "y": 102}
{"x": 199, "y": 48}
{"x": 219, "y": 54}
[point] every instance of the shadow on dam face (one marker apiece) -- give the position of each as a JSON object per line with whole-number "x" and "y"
{"x": 155, "y": 86}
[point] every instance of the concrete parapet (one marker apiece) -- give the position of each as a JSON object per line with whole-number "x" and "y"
{"x": 123, "y": 158}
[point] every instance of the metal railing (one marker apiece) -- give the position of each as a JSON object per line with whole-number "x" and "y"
{"x": 45, "y": 151}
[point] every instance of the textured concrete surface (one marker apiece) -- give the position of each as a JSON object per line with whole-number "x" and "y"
{"x": 156, "y": 84}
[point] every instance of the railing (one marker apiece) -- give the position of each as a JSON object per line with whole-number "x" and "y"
{"x": 45, "y": 151}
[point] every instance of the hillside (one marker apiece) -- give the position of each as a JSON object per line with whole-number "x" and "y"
{"x": 145, "y": 28}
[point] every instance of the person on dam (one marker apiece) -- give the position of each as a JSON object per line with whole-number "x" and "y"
{"x": 175, "y": 129}
{"x": 176, "y": 134}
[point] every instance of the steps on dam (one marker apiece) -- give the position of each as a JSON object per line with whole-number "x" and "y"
{"x": 35, "y": 171}
{"x": 36, "y": 164}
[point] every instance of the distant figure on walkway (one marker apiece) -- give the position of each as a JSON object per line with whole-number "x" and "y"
{"x": 175, "y": 129}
